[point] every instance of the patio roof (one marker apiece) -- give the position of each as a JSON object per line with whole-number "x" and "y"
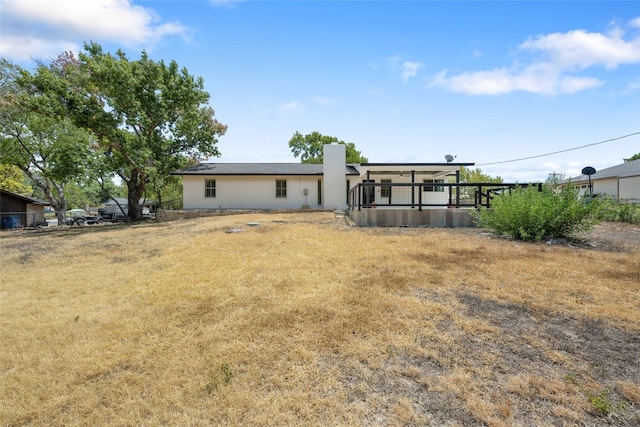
{"x": 259, "y": 169}
{"x": 406, "y": 169}
{"x": 29, "y": 199}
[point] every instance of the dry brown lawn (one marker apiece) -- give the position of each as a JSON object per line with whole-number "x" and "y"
{"x": 305, "y": 320}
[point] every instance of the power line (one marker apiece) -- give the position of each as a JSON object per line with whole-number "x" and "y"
{"x": 561, "y": 151}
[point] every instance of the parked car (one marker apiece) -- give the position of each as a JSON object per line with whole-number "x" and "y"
{"x": 81, "y": 217}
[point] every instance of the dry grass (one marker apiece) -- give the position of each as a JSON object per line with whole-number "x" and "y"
{"x": 304, "y": 320}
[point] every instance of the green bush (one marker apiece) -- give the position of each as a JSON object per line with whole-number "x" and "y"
{"x": 612, "y": 210}
{"x": 531, "y": 215}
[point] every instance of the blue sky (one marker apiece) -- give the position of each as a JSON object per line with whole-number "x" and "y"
{"x": 409, "y": 81}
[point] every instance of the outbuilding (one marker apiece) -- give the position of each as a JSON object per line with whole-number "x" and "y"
{"x": 621, "y": 182}
{"x": 17, "y": 210}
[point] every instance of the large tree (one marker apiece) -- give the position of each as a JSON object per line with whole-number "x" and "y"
{"x": 51, "y": 151}
{"x": 469, "y": 175}
{"x": 310, "y": 148}
{"x": 148, "y": 117}
{"x": 13, "y": 179}
{"x": 476, "y": 175}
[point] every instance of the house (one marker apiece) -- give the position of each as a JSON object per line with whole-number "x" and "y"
{"x": 17, "y": 210}
{"x": 622, "y": 182}
{"x": 312, "y": 186}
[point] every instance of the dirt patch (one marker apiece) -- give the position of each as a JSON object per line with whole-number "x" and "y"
{"x": 606, "y": 236}
{"x": 614, "y": 236}
{"x": 535, "y": 366}
{"x": 597, "y": 349}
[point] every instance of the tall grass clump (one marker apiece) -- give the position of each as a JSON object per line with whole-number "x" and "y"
{"x": 528, "y": 214}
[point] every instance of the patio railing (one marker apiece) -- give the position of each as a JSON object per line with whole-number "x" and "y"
{"x": 427, "y": 195}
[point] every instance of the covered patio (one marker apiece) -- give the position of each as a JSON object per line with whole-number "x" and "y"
{"x": 428, "y": 203}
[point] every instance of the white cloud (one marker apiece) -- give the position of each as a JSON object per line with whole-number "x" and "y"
{"x": 23, "y": 48}
{"x": 560, "y": 56}
{"x": 407, "y": 69}
{"x": 290, "y": 107}
{"x": 580, "y": 49}
{"x": 503, "y": 80}
{"x": 410, "y": 69}
{"x": 34, "y": 28}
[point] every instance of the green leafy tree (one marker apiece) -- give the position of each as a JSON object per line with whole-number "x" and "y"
{"x": 310, "y": 148}
{"x": 469, "y": 175}
{"x": 166, "y": 192}
{"x": 51, "y": 151}
{"x": 13, "y": 179}
{"x": 88, "y": 193}
{"x": 148, "y": 117}
{"x": 476, "y": 175}
{"x": 632, "y": 158}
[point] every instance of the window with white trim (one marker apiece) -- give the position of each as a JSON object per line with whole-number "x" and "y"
{"x": 209, "y": 188}
{"x": 281, "y": 188}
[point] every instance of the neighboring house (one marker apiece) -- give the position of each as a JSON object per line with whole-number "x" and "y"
{"x": 621, "y": 182}
{"x": 304, "y": 186}
{"x": 20, "y": 211}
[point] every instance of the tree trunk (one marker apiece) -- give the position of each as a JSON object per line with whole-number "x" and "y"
{"x": 135, "y": 188}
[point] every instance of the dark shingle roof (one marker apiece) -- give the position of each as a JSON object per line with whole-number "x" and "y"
{"x": 258, "y": 169}
{"x": 29, "y": 199}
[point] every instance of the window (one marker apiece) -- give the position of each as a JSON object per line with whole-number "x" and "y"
{"x": 432, "y": 188}
{"x": 319, "y": 192}
{"x": 209, "y": 188}
{"x": 385, "y": 190}
{"x": 281, "y": 188}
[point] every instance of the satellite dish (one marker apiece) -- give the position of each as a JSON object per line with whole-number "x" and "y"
{"x": 449, "y": 158}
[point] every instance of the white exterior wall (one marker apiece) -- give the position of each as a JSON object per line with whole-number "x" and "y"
{"x": 250, "y": 192}
{"x": 630, "y": 188}
{"x": 607, "y": 185}
{"x": 335, "y": 186}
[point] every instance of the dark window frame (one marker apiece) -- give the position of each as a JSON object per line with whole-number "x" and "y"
{"x": 385, "y": 190}
{"x": 431, "y": 187}
{"x": 209, "y": 190}
{"x": 281, "y": 188}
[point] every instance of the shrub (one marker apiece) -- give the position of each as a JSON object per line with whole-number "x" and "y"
{"x": 528, "y": 214}
{"x": 612, "y": 210}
